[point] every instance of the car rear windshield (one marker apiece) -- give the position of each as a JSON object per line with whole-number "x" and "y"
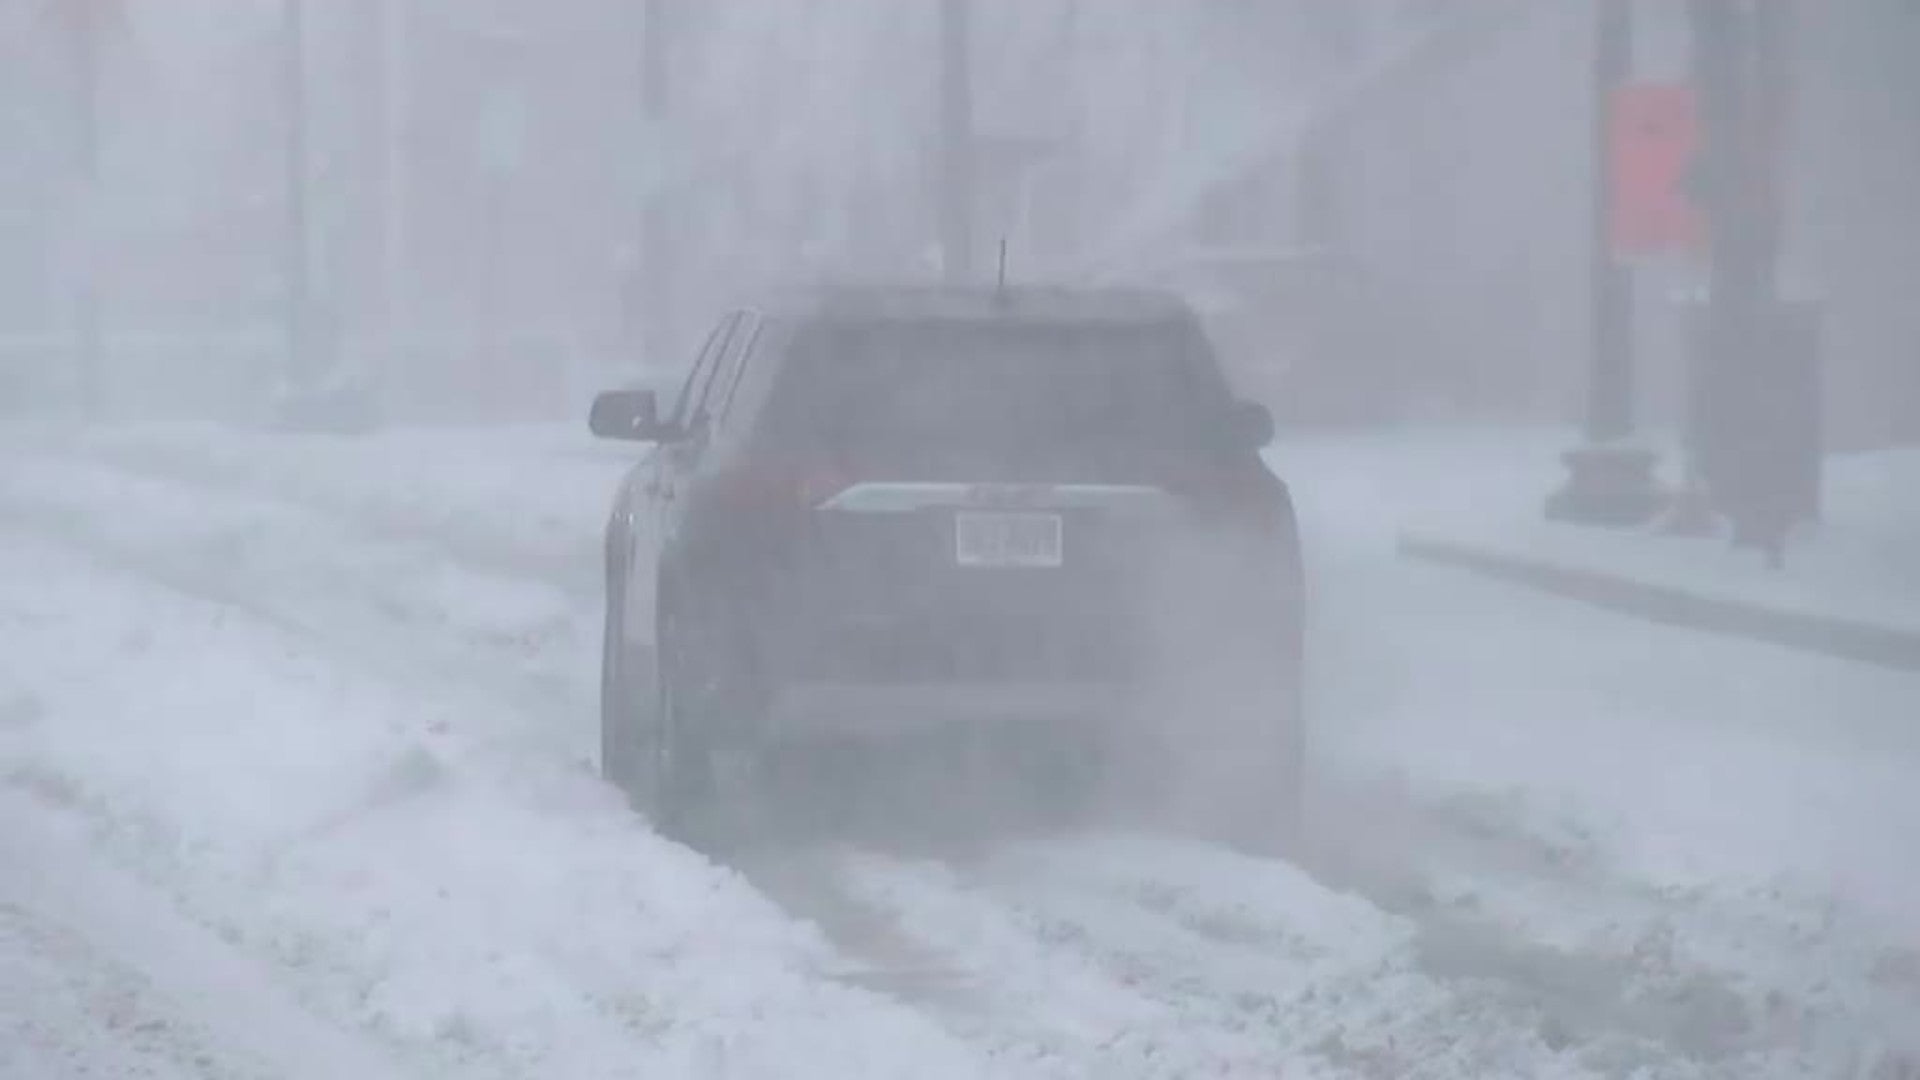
{"x": 999, "y": 395}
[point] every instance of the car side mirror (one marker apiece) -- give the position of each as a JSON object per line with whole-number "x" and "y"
{"x": 1252, "y": 425}
{"x": 632, "y": 415}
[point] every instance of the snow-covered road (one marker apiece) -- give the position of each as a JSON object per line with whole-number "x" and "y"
{"x": 296, "y": 779}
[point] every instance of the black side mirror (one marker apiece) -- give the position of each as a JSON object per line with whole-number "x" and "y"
{"x": 632, "y": 415}
{"x": 1252, "y": 425}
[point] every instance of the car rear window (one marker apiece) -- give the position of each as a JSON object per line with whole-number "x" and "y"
{"x": 1013, "y": 392}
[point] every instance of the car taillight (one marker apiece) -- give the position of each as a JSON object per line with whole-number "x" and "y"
{"x": 822, "y": 481}
{"x": 817, "y": 485}
{"x": 1230, "y": 495}
{"x": 780, "y": 484}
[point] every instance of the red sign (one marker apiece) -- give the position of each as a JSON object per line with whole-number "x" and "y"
{"x": 1653, "y": 136}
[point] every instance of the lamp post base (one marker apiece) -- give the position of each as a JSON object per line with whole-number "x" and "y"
{"x": 1610, "y": 486}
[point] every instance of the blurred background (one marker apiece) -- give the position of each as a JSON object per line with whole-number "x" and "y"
{"x": 484, "y": 209}
{"x": 303, "y": 533}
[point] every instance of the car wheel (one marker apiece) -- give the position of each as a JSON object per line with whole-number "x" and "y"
{"x": 619, "y": 712}
{"x": 1287, "y": 808}
{"x": 1263, "y": 781}
{"x": 678, "y": 769}
{"x": 1275, "y": 808}
{"x": 1279, "y": 808}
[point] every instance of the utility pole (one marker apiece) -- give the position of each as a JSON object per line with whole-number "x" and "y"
{"x": 647, "y": 290}
{"x": 655, "y": 260}
{"x": 956, "y": 178}
{"x": 1760, "y": 443}
{"x": 1609, "y": 482}
{"x": 1610, "y": 386}
{"x": 86, "y": 32}
{"x": 1736, "y": 264}
{"x": 298, "y": 269}
{"x": 392, "y": 307}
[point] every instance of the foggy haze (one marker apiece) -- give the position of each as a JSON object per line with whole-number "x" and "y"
{"x": 1541, "y": 699}
{"x": 478, "y": 172}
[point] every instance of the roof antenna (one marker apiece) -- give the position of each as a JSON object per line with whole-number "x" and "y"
{"x": 1000, "y": 287}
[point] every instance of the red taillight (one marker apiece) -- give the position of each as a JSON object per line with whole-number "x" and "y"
{"x": 816, "y": 486}
{"x": 773, "y": 485}
{"x": 1230, "y": 495}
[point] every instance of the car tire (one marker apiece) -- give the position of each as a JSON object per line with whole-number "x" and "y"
{"x": 641, "y": 751}
{"x": 1286, "y": 806}
{"x": 619, "y": 711}
{"x": 676, "y": 765}
{"x": 1274, "y": 824}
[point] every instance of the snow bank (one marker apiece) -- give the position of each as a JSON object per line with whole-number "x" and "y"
{"x": 477, "y": 911}
{"x": 528, "y": 500}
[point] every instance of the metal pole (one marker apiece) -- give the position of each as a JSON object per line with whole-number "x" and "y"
{"x": 1754, "y": 437}
{"x": 298, "y": 284}
{"x": 87, "y": 336}
{"x": 1610, "y": 393}
{"x": 1609, "y": 482}
{"x": 1768, "y": 103}
{"x": 395, "y": 102}
{"x": 651, "y": 302}
{"x": 956, "y": 141}
{"x": 1732, "y": 285}
{"x": 1738, "y": 263}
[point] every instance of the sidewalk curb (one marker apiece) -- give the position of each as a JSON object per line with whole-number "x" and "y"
{"x": 1841, "y": 638}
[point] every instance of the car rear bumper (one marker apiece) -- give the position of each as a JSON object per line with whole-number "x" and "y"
{"x": 808, "y": 710}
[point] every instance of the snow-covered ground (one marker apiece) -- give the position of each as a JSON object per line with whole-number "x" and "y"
{"x": 296, "y": 748}
{"x": 1726, "y": 828}
{"x": 1859, "y": 563}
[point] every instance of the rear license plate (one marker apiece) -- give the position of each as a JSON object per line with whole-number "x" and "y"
{"x": 1008, "y": 540}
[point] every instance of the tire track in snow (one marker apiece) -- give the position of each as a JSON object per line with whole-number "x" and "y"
{"x": 1306, "y": 982}
{"x": 1049, "y": 1005}
{"x": 1267, "y": 968}
{"x": 881, "y": 956}
{"x": 1735, "y": 981}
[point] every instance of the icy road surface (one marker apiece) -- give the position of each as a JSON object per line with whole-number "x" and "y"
{"x": 296, "y": 779}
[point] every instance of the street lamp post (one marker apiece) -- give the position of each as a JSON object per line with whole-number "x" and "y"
{"x": 1610, "y": 481}
{"x": 1610, "y": 387}
{"x": 88, "y": 20}
{"x": 1759, "y": 440}
{"x": 956, "y": 178}
{"x": 653, "y": 305}
{"x": 298, "y": 268}
{"x": 395, "y": 105}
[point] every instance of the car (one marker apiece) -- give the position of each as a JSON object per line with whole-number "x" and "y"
{"x": 875, "y": 513}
